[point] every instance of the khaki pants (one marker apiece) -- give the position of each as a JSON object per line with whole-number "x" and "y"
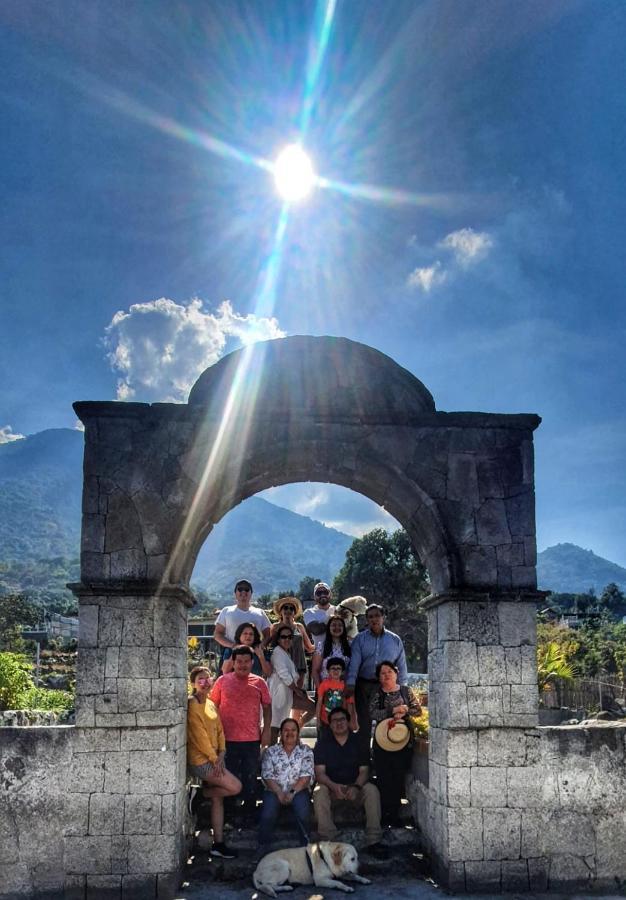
{"x": 368, "y": 797}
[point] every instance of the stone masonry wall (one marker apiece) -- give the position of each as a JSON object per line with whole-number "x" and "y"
{"x": 528, "y": 809}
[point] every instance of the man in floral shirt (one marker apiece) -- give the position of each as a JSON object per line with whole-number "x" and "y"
{"x": 287, "y": 771}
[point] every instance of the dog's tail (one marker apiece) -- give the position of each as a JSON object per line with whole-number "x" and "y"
{"x": 264, "y": 888}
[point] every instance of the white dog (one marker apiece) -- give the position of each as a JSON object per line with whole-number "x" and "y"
{"x": 318, "y": 864}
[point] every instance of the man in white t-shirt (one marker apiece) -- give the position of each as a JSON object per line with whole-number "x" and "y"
{"x": 231, "y": 617}
{"x": 317, "y": 616}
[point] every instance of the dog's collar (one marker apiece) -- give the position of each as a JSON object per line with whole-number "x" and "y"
{"x": 308, "y": 859}
{"x": 321, "y": 853}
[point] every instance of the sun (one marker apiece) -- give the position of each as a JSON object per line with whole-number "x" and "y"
{"x": 293, "y": 174}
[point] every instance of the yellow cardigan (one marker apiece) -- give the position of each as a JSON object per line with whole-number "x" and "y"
{"x": 205, "y": 735}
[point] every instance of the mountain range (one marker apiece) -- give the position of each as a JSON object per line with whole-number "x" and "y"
{"x": 40, "y": 501}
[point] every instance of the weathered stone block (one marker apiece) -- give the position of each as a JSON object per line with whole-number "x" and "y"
{"x": 141, "y": 814}
{"x": 524, "y": 577}
{"x": 111, "y": 665}
{"x": 170, "y": 625}
{"x": 482, "y": 876}
{"x": 458, "y": 787}
{"x": 176, "y": 738}
{"x": 145, "y": 739}
{"x": 611, "y": 845}
{"x": 167, "y": 885}
{"x": 488, "y": 786}
{"x": 77, "y": 823}
{"x": 106, "y": 703}
{"x": 515, "y": 875}
{"x": 571, "y": 873}
{"x": 133, "y": 694}
{"x": 104, "y": 887}
{"x": 452, "y": 705}
{"x": 518, "y": 623}
{"x": 479, "y": 565}
{"x": 169, "y": 692}
{"x": 538, "y": 874}
{"x": 90, "y": 671}
{"x": 462, "y": 481}
{"x": 552, "y": 831}
{"x": 465, "y": 834}
{"x": 87, "y": 772}
{"x": 110, "y": 627}
{"x": 454, "y": 748}
{"x": 519, "y": 720}
{"x": 85, "y": 716}
{"x": 524, "y": 699}
{"x": 138, "y": 628}
{"x": 448, "y": 621}
{"x": 491, "y": 523}
{"x": 460, "y": 662}
{"x": 172, "y": 662}
{"x": 152, "y": 853}
{"x": 153, "y": 771}
{"x": 520, "y": 513}
{"x": 89, "y": 739}
{"x": 531, "y": 786}
{"x": 106, "y": 813}
{"x": 139, "y": 887}
{"x": 138, "y": 662}
{"x": 172, "y": 806}
{"x": 486, "y": 701}
{"x": 528, "y": 658}
{"x": 161, "y": 717}
{"x": 88, "y": 626}
{"x": 491, "y": 665}
{"x": 88, "y": 855}
{"x": 116, "y": 773}
{"x": 92, "y": 534}
{"x": 501, "y": 747}
{"x": 502, "y": 833}
{"x": 115, "y": 720}
{"x": 513, "y": 659}
{"x": 479, "y": 622}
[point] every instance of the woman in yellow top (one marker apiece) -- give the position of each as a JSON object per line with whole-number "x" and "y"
{"x": 205, "y": 756}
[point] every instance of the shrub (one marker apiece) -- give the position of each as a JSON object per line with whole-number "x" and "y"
{"x": 45, "y": 698}
{"x": 14, "y": 680}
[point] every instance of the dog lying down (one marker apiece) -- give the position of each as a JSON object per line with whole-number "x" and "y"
{"x": 319, "y": 864}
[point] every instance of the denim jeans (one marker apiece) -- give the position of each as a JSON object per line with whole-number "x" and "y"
{"x": 242, "y": 759}
{"x": 301, "y": 807}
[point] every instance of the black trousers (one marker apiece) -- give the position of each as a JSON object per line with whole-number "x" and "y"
{"x": 391, "y": 768}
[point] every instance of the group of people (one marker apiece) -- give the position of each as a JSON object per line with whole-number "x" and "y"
{"x": 260, "y": 700}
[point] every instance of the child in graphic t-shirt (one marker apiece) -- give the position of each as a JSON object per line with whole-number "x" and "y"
{"x": 332, "y": 694}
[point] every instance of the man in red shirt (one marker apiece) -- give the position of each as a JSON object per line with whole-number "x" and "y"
{"x": 240, "y": 696}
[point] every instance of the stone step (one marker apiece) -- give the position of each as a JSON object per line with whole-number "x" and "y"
{"x": 403, "y": 844}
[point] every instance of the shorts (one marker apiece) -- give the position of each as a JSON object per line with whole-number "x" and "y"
{"x": 206, "y": 770}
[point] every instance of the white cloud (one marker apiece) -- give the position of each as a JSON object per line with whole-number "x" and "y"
{"x": 161, "y": 347}
{"x": 427, "y": 277}
{"x": 7, "y": 435}
{"x": 469, "y": 246}
{"x": 78, "y": 425}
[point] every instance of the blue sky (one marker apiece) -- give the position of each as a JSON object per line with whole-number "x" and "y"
{"x": 470, "y": 226}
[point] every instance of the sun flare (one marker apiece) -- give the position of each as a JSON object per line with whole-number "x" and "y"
{"x": 293, "y": 174}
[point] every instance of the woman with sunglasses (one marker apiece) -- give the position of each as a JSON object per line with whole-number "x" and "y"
{"x": 334, "y": 644}
{"x": 288, "y": 609}
{"x": 285, "y": 691}
{"x": 248, "y": 635}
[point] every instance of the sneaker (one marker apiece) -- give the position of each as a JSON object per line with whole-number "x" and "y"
{"x": 223, "y": 851}
{"x": 378, "y": 851}
{"x": 191, "y": 802}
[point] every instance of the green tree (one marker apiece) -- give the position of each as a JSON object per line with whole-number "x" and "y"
{"x": 16, "y": 612}
{"x": 613, "y": 600}
{"x": 384, "y": 568}
{"x": 305, "y": 589}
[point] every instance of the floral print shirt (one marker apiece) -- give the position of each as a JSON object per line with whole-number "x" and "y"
{"x": 285, "y": 768}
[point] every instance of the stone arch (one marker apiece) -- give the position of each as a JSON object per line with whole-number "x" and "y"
{"x": 157, "y": 478}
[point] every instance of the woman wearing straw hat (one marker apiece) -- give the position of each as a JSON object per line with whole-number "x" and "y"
{"x": 288, "y": 609}
{"x": 389, "y": 706}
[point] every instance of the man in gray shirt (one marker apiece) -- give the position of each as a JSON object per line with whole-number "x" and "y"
{"x": 369, "y": 648}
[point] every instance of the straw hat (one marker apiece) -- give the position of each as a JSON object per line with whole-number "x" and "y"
{"x": 289, "y": 601}
{"x": 392, "y": 735}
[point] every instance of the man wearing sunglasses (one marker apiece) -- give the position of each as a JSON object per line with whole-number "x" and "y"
{"x": 231, "y": 617}
{"x": 317, "y": 616}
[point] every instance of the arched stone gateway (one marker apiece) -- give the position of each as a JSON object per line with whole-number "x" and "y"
{"x": 156, "y": 480}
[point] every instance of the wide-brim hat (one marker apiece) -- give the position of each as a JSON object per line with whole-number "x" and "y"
{"x": 287, "y": 601}
{"x": 392, "y": 735}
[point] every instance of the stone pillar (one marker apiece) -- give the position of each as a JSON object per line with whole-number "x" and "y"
{"x": 483, "y": 694}
{"x": 129, "y": 754}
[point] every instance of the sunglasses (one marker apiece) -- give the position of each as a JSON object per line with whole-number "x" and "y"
{"x": 322, "y": 594}
{"x": 285, "y": 637}
{"x": 288, "y": 609}
{"x": 241, "y": 590}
